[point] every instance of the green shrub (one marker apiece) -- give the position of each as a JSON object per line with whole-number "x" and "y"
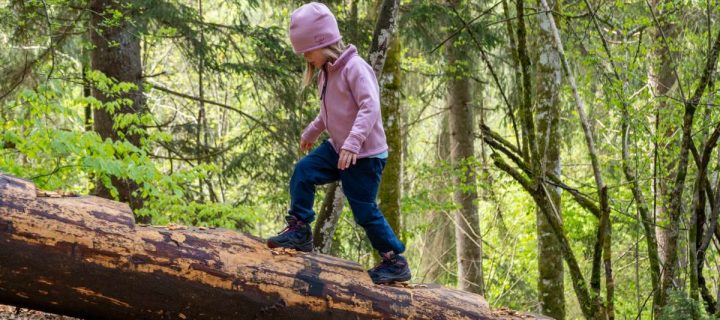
{"x": 681, "y": 307}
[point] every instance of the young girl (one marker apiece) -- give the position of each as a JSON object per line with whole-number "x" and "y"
{"x": 356, "y": 152}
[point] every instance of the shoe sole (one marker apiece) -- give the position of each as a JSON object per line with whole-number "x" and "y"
{"x": 305, "y": 248}
{"x": 402, "y": 278}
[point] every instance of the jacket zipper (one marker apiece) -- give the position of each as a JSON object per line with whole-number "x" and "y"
{"x": 322, "y": 96}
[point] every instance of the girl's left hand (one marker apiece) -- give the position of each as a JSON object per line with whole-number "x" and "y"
{"x": 347, "y": 158}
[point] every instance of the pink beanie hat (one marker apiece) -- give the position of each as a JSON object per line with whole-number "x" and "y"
{"x": 313, "y": 26}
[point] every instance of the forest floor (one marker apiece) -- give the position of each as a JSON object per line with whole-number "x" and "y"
{"x": 14, "y": 313}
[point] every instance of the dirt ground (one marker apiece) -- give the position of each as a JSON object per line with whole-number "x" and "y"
{"x": 13, "y": 313}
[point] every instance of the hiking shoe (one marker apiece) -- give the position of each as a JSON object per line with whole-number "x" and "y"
{"x": 393, "y": 268}
{"x": 297, "y": 235}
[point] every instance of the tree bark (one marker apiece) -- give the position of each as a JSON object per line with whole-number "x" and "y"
{"x": 383, "y": 35}
{"x": 468, "y": 242}
{"x": 603, "y": 243}
{"x": 328, "y": 217}
{"x": 551, "y": 288}
{"x": 116, "y": 53}
{"x": 85, "y": 257}
{"x": 390, "y": 192}
{"x": 662, "y": 80}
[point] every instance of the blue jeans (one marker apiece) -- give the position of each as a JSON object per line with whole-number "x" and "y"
{"x": 360, "y": 184}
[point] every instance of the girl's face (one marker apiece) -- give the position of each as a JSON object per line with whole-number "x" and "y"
{"x": 316, "y": 57}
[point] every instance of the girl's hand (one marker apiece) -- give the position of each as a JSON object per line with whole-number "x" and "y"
{"x": 347, "y": 158}
{"x": 305, "y": 146}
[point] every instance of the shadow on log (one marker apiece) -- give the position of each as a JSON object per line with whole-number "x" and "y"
{"x": 85, "y": 257}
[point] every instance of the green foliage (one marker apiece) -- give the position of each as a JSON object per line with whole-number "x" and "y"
{"x": 681, "y": 306}
{"x": 43, "y": 141}
{"x": 450, "y": 23}
{"x": 222, "y": 156}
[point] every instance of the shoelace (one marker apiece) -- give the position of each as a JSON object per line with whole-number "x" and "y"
{"x": 290, "y": 227}
{"x": 386, "y": 260}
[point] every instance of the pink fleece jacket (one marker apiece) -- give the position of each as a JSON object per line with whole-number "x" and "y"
{"x": 350, "y": 107}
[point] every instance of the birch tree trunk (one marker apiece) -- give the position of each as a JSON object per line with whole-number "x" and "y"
{"x": 383, "y": 35}
{"x": 116, "y": 53}
{"x": 328, "y": 217}
{"x": 468, "y": 242}
{"x": 548, "y": 74}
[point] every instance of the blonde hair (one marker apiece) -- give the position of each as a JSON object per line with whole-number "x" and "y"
{"x": 331, "y": 52}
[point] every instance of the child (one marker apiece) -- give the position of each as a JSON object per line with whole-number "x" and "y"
{"x": 356, "y": 152}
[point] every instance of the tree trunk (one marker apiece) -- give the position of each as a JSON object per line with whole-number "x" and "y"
{"x": 603, "y": 243}
{"x": 392, "y": 180}
{"x": 383, "y": 35}
{"x": 661, "y": 80}
{"x": 548, "y": 72}
{"x": 468, "y": 243}
{"x": 116, "y": 53}
{"x": 438, "y": 252}
{"x": 704, "y": 235}
{"x": 676, "y": 206}
{"x": 85, "y": 257}
{"x": 328, "y": 218}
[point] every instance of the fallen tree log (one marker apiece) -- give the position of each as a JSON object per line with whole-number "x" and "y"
{"x": 85, "y": 257}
